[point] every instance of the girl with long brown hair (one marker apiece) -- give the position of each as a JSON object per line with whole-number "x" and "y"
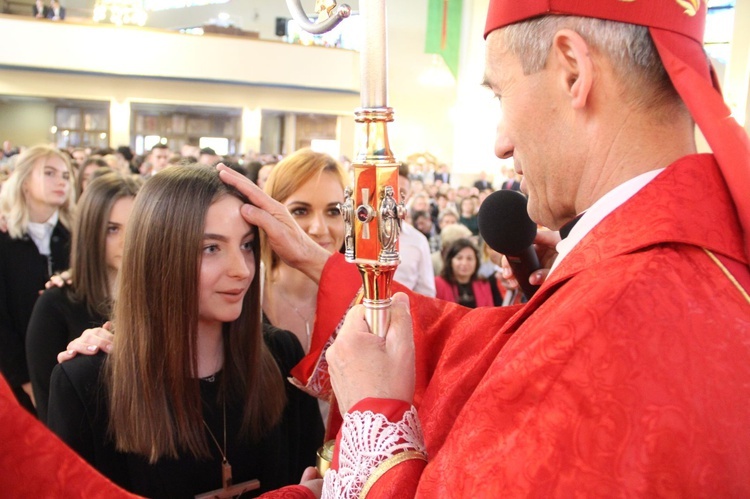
{"x": 194, "y": 387}
{"x": 62, "y": 313}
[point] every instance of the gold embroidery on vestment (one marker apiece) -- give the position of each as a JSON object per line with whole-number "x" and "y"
{"x": 691, "y": 6}
{"x": 729, "y": 275}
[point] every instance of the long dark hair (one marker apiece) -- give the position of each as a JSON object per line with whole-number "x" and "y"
{"x": 155, "y": 402}
{"x": 450, "y": 253}
{"x": 88, "y": 256}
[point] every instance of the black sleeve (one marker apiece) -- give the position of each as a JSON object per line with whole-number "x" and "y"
{"x": 46, "y": 336}
{"x": 302, "y": 414}
{"x": 72, "y": 405}
{"x": 12, "y": 355}
{"x": 78, "y": 414}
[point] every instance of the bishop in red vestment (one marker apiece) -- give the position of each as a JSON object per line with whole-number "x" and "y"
{"x": 627, "y": 373}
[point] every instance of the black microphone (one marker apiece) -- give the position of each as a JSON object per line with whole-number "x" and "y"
{"x": 506, "y": 227}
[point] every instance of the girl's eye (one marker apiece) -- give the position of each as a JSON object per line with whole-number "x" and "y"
{"x": 298, "y": 212}
{"x": 113, "y": 229}
{"x": 247, "y": 246}
{"x": 334, "y": 212}
{"x": 210, "y": 249}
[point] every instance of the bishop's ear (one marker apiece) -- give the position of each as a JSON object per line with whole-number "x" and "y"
{"x": 576, "y": 70}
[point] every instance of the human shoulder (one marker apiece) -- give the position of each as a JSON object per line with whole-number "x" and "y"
{"x": 443, "y": 289}
{"x": 83, "y": 373}
{"x": 56, "y": 298}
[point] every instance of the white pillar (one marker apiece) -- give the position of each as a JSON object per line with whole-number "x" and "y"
{"x": 119, "y": 122}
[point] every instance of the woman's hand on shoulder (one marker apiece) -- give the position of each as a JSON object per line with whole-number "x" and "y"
{"x": 58, "y": 281}
{"x": 91, "y": 341}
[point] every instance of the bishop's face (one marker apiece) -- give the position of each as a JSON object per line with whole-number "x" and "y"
{"x": 536, "y": 129}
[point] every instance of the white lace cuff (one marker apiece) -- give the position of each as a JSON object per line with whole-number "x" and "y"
{"x": 367, "y": 440}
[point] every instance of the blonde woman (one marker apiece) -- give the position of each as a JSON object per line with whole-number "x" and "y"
{"x": 36, "y": 201}
{"x": 311, "y": 185}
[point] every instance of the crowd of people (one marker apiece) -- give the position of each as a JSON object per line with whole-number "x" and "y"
{"x": 624, "y": 375}
{"x": 53, "y": 11}
{"x": 65, "y": 215}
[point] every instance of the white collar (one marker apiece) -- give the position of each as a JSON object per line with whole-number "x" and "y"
{"x": 599, "y": 210}
{"x": 41, "y": 233}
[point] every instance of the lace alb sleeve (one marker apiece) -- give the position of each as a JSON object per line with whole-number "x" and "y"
{"x": 368, "y": 440}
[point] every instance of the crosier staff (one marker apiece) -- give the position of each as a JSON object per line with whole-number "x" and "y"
{"x": 372, "y": 210}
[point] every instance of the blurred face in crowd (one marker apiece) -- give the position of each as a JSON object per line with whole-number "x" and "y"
{"x": 48, "y": 184}
{"x": 442, "y": 202}
{"x": 420, "y": 203}
{"x": 424, "y": 225}
{"x": 209, "y": 159}
{"x": 315, "y": 208}
{"x": 79, "y": 156}
{"x": 86, "y": 174}
{"x": 114, "y": 242}
{"x": 467, "y": 207}
{"x": 447, "y": 219}
{"x": 159, "y": 159}
{"x": 263, "y": 174}
{"x": 464, "y": 264}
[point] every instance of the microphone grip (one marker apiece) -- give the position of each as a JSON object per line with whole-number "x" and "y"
{"x": 523, "y": 265}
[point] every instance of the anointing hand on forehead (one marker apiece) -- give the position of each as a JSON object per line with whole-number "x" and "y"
{"x": 364, "y": 365}
{"x": 286, "y": 238}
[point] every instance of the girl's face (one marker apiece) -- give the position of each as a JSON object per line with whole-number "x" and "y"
{"x": 448, "y": 220}
{"x": 86, "y": 175}
{"x": 467, "y": 207}
{"x": 464, "y": 264}
{"x": 227, "y": 266}
{"x": 114, "y": 242}
{"x": 49, "y": 183}
{"x": 314, "y": 207}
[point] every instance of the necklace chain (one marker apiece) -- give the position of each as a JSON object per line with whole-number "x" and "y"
{"x": 299, "y": 314}
{"x": 226, "y": 468}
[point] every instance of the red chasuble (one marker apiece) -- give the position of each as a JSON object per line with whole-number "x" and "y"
{"x": 626, "y": 374}
{"x": 35, "y": 463}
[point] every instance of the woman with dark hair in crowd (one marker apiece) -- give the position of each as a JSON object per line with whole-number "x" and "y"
{"x": 459, "y": 280}
{"x": 36, "y": 202}
{"x": 62, "y": 314}
{"x": 194, "y": 390}
{"x": 86, "y": 172}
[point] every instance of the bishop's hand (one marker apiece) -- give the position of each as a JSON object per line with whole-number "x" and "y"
{"x": 286, "y": 238}
{"x": 363, "y": 365}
